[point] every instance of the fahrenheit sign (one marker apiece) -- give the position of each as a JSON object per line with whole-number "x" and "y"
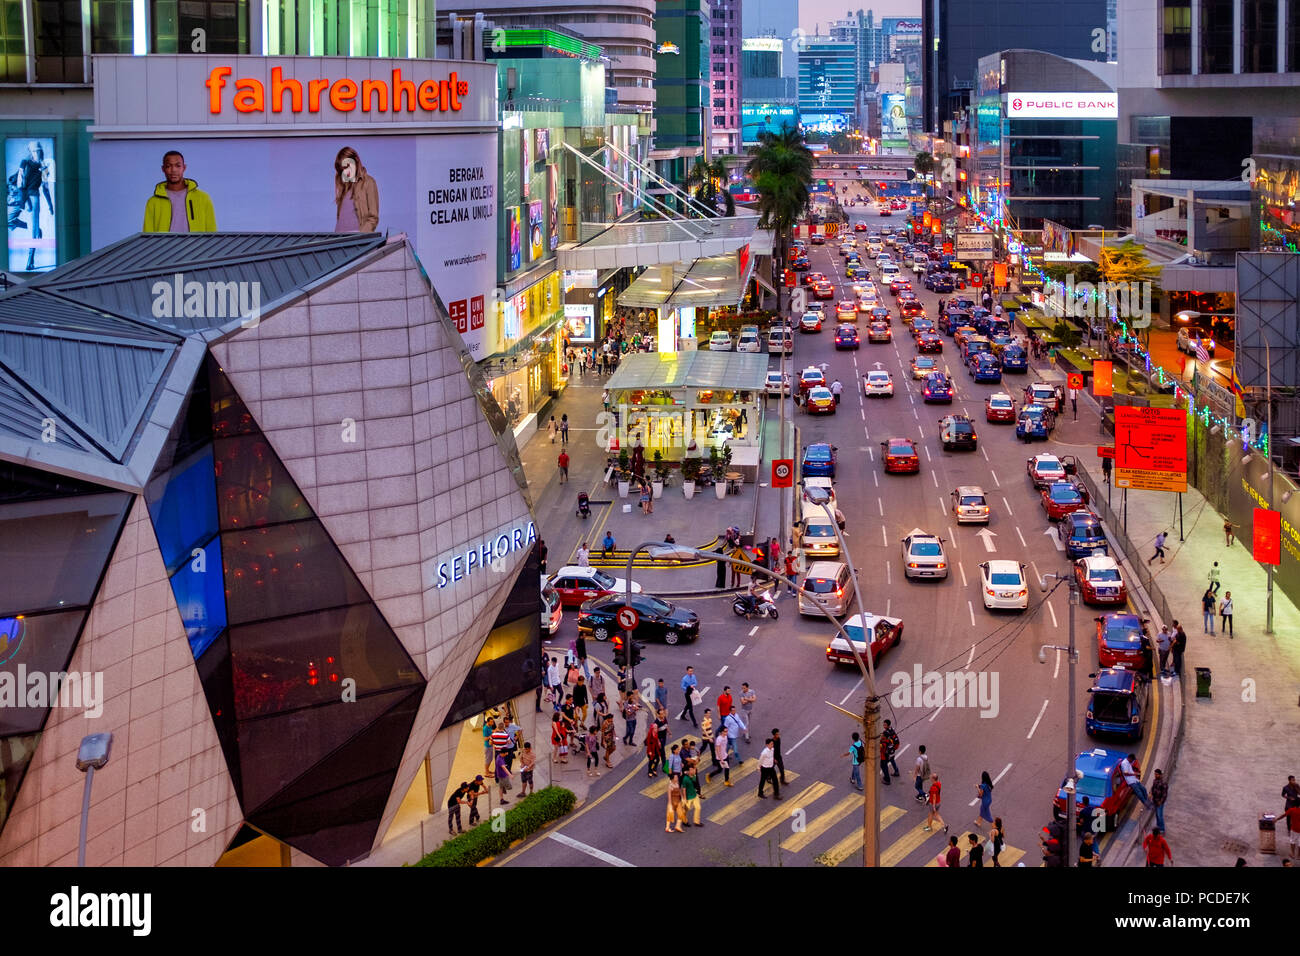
{"x": 375, "y": 96}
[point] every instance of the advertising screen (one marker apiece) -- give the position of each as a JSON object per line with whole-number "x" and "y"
{"x": 525, "y": 161}
{"x": 30, "y": 193}
{"x": 580, "y": 323}
{"x": 553, "y": 202}
{"x": 543, "y": 150}
{"x": 756, "y": 118}
{"x": 514, "y": 247}
{"x": 440, "y": 190}
{"x": 893, "y": 119}
{"x": 536, "y": 224}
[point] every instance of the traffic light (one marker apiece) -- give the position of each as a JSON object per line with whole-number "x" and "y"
{"x": 620, "y": 653}
{"x": 637, "y": 656}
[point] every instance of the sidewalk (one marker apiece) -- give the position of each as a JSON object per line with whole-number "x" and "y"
{"x": 1230, "y": 754}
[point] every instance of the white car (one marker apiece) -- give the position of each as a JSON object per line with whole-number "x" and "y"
{"x": 749, "y": 342}
{"x": 816, "y": 535}
{"x": 780, "y": 340}
{"x": 888, "y": 271}
{"x": 923, "y": 555}
{"x": 778, "y": 384}
{"x": 720, "y": 341}
{"x": 552, "y": 608}
{"x": 970, "y": 505}
{"x": 1003, "y": 585}
{"x": 877, "y": 382}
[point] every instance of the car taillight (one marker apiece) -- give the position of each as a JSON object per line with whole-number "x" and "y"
{"x": 941, "y": 565}
{"x": 839, "y": 592}
{"x": 1022, "y": 592}
{"x": 989, "y": 592}
{"x": 984, "y": 510}
{"x": 912, "y": 564}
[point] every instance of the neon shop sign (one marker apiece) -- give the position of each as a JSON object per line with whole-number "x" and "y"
{"x": 462, "y": 564}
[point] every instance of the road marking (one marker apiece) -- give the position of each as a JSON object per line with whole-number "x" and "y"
{"x": 1042, "y": 710}
{"x": 862, "y": 411}
{"x": 987, "y": 536}
{"x": 984, "y": 452}
{"x": 774, "y": 818}
{"x": 1021, "y": 537}
{"x": 851, "y": 692}
{"x": 970, "y": 657}
{"x": 823, "y": 823}
{"x": 919, "y": 431}
{"x": 866, "y": 431}
{"x": 970, "y": 605}
{"x": 1052, "y": 611}
{"x": 880, "y": 505}
{"x": 995, "y": 477}
{"x": 723, "y": 671}
{"x": 935, "y": 479}
{"x": 888, "y": 604}
{"x": 805, "y": 737}
{"x": 903, "y": 847}
{"x": 883, "y": 538}
{"x": 589, "y": 850}
{"x": 875, "y": 478}
{"x": 996, "y": 781}
{"x": 753, "y": 630}
{"x": 927, "y": 453}
{"x": 963, "y": 574}
{"x": 942, "y": 505}
{"x": 746, "y": 803}
{"x": 871, "y": 453}
{"x": 916, "y": 415}
{"x": 740, "y": 648}
{"x": 1008, "y": 504}
{"x": 852, "y": 843}
{"x": 889, "y": 573}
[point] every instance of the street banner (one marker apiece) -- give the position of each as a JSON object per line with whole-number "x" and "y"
{"x": 1267, "y": 538}
{"x": 1101, "y": 379}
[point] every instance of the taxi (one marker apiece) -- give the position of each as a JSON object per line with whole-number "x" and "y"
{"x": 1000, "y": 407}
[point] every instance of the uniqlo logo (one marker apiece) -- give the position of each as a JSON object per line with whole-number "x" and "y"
{"x": 476, "y": 312}
{"x": 459, "y": 315}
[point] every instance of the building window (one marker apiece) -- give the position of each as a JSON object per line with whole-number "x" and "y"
{"x": 13, "y": 43}
{"x": 1216, "y": 36}
{"x": 57, "y": 27}
{"x": 224, "y": 26}
{"x": 1259, "y": 36}
{"x": 111, "y": 27}
{"x": 1176, "y": 38}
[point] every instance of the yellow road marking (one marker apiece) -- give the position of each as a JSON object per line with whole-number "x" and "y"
{"x": 823, "y": 822}
{"x": 852, "y": 844}
{"x": 774, "y": 818}
{"x": 906, "y": 845}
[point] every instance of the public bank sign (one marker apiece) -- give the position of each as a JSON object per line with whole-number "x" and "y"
{"x": 462, "y": 564}
{"x": 1062, "y": 105}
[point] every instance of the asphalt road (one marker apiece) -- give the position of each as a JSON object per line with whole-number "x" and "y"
{"x": 1019, "y": 737}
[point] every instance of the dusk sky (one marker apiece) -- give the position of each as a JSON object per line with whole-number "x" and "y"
{"x": 814, "y": 12}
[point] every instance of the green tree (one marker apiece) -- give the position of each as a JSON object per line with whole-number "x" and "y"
{"x": 708, "y": 179}
{"x": 924, "y": 166}
{"x": 781, "y": 167}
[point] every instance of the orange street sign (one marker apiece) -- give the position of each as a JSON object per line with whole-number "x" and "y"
{"x": 1101, "y": 379}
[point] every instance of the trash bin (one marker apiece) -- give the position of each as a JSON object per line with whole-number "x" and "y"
{"x": 1203, "y": 682}
{"x": 1268, "y": 833}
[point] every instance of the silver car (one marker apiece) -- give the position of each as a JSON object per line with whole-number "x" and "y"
{"x": 827, "y": 587}
{"x": 816, "y": 536}
{"x": 923, "y": 555}
{"x": 970, "y": 505}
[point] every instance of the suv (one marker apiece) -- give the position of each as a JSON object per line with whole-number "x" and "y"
{"x": 957, "y": 431}
{"x": 828, "y": 587}
{"x": 779, "y": 340}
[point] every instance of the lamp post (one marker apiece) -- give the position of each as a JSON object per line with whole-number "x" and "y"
{"x": 1070, "y": 744}
{"x": 1268, "y": 401}
{"x": 92, "y": 755}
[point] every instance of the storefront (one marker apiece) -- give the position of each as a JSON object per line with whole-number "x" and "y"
{"x": 527, "y": 365}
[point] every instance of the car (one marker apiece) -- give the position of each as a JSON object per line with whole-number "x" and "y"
{"x": 886, "y": 632}
{"x": 846, "y": 309}
{"x": 801, "y": 263}
{"x": 1122, "y": 641}
{"x": 962, "y": 334}
{"x": 939, "y": 282}
{"x": 899, "y": 456}
{"x": 880, "y": 313}
{"x": 1051, "y": 397}
{"x": 777, "y": 384}
{"x": 1060, "y": 498}
{"x": 1100, "y": 580}
{"x": 749, "y": 342}
{"x": 1034, "y": 421}
{"x": 950, "y": 320}
{"x": 885, "y": 211}
{"x": 810, "y": 322}
{"x": 821, "y": 401}
{"x": 999, "y": 407}
{"x": 1098, "y": 780}
{"x": 866, "y": 303}
{"x": 817, "y": 239}
{"x": 845, "y": 249}
{"x": 890, "y": 239}
{"x": 986, "y": 369}
{"x": 923, "y": 365}
{"x": 860, "y": 227}
{"x": 970, "y": 505}
{"x": 912, "y": 311}
{"x": 919, "y": 322}
{"x": 1003, "y": 585}
{"x": 846, "y": 337}
{"x": 1117, "y": 703}
{"x": 552, "y": 609}
{"x": 937, "y": 389}
{"x": 812, "y": 278}
{"x": 720, "y": 341}
{"x": 811, "y": 378}
{"x": 576, "y": 584}
{"x": 879, "y": 332}
{"x": 888, "y": 271}
{"x": 827, "y": 588}
{"x": 780, "y": 341}
{"x": 877, "y": 383}
{"x": 657, "y": 619}
{"x": 957, "y": 431}
{"x": 823, "y": 290}
{"x": 1082, "y": 535}
{"x": 929, "y": 342}
{"x": 816, "y": 535}
{"x": 897, "y": 204}
{"x": 1189, "y": 339}
{"x": 854, "y": 273}
{"x": 923, "y": 555}
{"x": 1043, "y": 470}
{"x": 973, "y": 346}
{"x": 898, "y": 284}
{"x": 818, "y": 460}
{"x": 1015, "y": 359}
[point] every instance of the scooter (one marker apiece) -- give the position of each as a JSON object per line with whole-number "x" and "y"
{"x": 747, "y": 605}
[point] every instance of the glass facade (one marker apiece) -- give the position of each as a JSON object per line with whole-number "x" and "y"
{"x": 1259, "y": 36}
{"x": 683, "y": 50}
{"x": 1216, "y": 36}
{"x": 1176, "y": 37}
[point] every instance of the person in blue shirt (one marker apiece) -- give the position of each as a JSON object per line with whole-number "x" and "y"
{"x": 608, "y": 544}
{"x": 689, "y": 683}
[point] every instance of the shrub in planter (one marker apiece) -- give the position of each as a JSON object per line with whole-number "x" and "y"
{"x": 523, "y": 819}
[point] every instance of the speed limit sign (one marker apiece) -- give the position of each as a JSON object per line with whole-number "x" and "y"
{"x": 799, "y": 299}
{"x": 627, "y": 618}
{"x": 783, "y": 473}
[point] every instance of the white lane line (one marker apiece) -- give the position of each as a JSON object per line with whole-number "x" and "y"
{"x": 971, "y": 656}
{"x": 984, "y": 452}
{"x": 916, "y": 415}
{"x": 942, "y": 506}
{"x": 752, "y": 631}
{"x": 1052, "y": 611}
{"x": 888, "y": 604}
{"x": 935, "y": 479}
{"x": 1057, "y": 669}
{"x": 739, "y": 649}
{"x": 889, "y": 572}
{"x": 971, "y": 607}
{"x": 899, "y": 751}
{"x": 805, "y": 737}
{"x": 866, "y": 431}
{"x": 589, "y": 850}
{"x": 875, "y": 478}
{"x": 884, "y": 540}
{"x": 871, "y": 453}
{"x": 927, "y": 453}
{"x": 851, "y": 692}
{"x": 1021, "y": 536}
{"x": 919, "y": 432}
{"x": 880, "y": 505}
{"x": 723, "y": 671}
{"x": 1042, "y": 710}
{"x": 963, "y": 574}
{"x": 863, "y": 413}
{"x": 996, "y": 781}
{"x": 995, "y": 478}
{"x": 1008, "y": 504}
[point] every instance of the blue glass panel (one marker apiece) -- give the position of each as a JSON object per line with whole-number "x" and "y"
{"x": 183, "y": 506}
{"x": 199, "y": 587}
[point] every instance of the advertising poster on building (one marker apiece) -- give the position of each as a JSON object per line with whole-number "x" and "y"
{"x": 580, "y": 323}
{"x": 536, "y": 223}
{"x": 30, "y": 207}
{"x": 525, "y": 162}
{"x": 1056, "y": 237}
{"x": 893, "y": 120}
{"x": 553, "y": 204}
{"x": 440, "y": 190}
{"x": 543, "y": 137}
{"x": 514, "y": 246}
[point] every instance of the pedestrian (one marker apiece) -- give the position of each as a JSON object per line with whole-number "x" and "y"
{"x": 563, "y": 462}
{"x": 1157, "y": 848}
{"x": 735, "y": 727}
{"x": 600, "y": 709}
{"x": 1225, "y": 613}
{"x": 739, "y": 555}
{"x": 1164, "y": 644}
{"x": 706, "y": 732}
{"x": 691, "y": 796}
{"x": 976, "y": 851}
{"x": 984, "y": 790}
{"x": 1133, "y": 780}
{"x": 661, "y": 728}
{"x": 790, "y": 570}
{"x": 689, "y": 682}
{"x": 1180, "y": 648}
{"x": 605, "y": 399}
{"x": 591, "y": 746}
{"x": 607, "y": 545}
{"x": 721, "y": 758}
{"x": 1207, "y": 611}
{"x": 747, "y": 700}
{"x": 1159, "y": 794}
{"x": 644, "y": 499}
{"x": 454, "y": 803}
{"x": 724, "y": 703}
{"x": 1160, "y": 548}
{"x": 553, "y": 429}
{"x": 857, "y": 754}
{"x": 476, "y": 790}
{"x": 1291, "y": 793}
{"x": 607, "y": 735}
{"x": 564, "y": 429}
{"x": 503, "y": 776}
{"x": 767, "y": 771}
{"x": 952, "y": 855}
{"x": 720, "y": 579}
{"x": 559, "y": 739}
{"x": 1228, "y": 528}
{"x": 889, "y": 742}
{"x": 933, "y": 802}
{"x": 774, "y": 555}
{"x": 676, "y": 812}
{"x": 653, "y": 754}
{"x": 1087, "y": 851}
{"x": 776, "y": 754}
{"x": 1074, "y": 403}
{"x": 922, "y": 773}
{"x": 1213, "y": 577}
{"x": 581, "y": 700}
{"x": 997, "y": 837}
{"x": 597, "y": 682}
{"x": 541, "y": 556}
{"x": 1292, "y": 814}
{"x": 630, "y": 708}
{"x": 583, "y": 556}
{"x": 674, "y": 759}
{"x": 489, "y": 751}
{"x": 661, "y": 695}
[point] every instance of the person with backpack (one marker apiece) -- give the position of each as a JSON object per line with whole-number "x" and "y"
{"x": 857, "y": 755}
{"x": 889, "y": 744}
{"x": 922, "y": 769}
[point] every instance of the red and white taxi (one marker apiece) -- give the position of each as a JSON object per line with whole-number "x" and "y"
{"x": 1100, "y": 580}
{"x": 1000, "y": 407}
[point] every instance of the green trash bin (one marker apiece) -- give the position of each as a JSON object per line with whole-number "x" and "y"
{"x": 1203, "y": 682}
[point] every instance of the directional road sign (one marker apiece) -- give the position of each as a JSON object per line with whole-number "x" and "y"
{"x": 628, "y": 618}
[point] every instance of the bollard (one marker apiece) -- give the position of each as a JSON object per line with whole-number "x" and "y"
{"x": 1203, "y": 682}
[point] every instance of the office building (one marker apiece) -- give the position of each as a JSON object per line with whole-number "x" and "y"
{"x": 828, "y": 85}
{"x": 778, "y": 21}
{"x": 725, "y": 36}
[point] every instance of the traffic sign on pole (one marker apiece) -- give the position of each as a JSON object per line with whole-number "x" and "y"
{"x": 1151, "y": 448}
{"x": 1267, "y": 536}
{"x": 628, "y": 618}
{"x": 1074, "y": 380}
{"x": 1105, "y": 451}
{"x": 1101, "y": 379}
{"x": 783, "y": 473}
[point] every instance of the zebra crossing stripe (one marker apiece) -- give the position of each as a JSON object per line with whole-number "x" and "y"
{"x": 781, "y": 814}
{"x": 823, "y": 822}
{"x": 851, "y": 845}
{"x": 906, "y": 845}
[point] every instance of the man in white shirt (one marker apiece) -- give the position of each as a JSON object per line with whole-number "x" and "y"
{"x": 584, "y": 556}
{"x": 1132, "y": 779}
{"x": 766, "y": 773}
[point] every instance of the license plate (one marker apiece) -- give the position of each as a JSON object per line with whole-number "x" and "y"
{"x": 1007, "y": 594}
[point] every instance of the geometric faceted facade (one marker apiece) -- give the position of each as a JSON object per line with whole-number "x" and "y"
{"x": 243, "y": 527}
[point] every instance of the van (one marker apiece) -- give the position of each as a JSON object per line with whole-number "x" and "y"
{"x": 720, "y": 341}
{"x": 828, "y": 586}
{"x": 780, "y": 341}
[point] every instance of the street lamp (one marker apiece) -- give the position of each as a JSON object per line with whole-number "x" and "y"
{"x": 1070, "y": 743}
{"x": 92, "y": 755}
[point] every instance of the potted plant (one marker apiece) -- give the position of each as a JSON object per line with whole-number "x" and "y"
{"x": 719, "y": 483}
{"x": 657, "y": 484}
{"x": 690, "y": 471}
{"x": 624, "y": 482}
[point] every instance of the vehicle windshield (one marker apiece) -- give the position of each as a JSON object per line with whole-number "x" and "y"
{"x": 550, "y": 597}
{"x": 1092, "y": 787}
{"x": 901, "y": 450}
{"x": 819, "y": 531}
{"x": 812, "y": 376}
{"x": 604, "y": 580}
{"x": 1000, "y": 403}
{"x": 1121, "y": 634}
{"x": 818, "y": 454}
{"x": 974, "y": 500}
{"x": 819, "y": 585}
{"x": 655, "y": 606}
{"x": 1104, "y": 574}
{"x": 1109, "y": 706}
{"x": 1088, "y": 531}
{"x": 880, "y": 377}
{"x": 1004, "y": 578}
{"x": 926, "y": 549}
{"x": 1065, "y": 493}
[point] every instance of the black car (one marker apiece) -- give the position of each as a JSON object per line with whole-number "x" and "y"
{"x": 937, "y": 389}
{"x": 957, "y": 431}
{"x": 940, "y": 282}
{"x": 658, "y": 620}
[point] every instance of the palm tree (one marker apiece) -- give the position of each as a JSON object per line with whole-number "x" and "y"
{"x": 924, "y": 165}
{"x": 707, "y": 178}
{"x": 781, "y": 167}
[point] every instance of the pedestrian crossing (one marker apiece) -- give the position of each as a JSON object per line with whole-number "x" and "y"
{"x": 826, "y": 810}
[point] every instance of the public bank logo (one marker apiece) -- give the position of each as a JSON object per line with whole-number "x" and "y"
{"x": 1017, "y": 103}
{"x": 669, "y": 48}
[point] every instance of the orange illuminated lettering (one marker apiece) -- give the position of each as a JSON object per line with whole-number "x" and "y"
{"x": 403, "y": 88}
{"x": 343, "y": 95}
{"x": 314, "y": 89}
{"x": 250, "y": 96}
{"x": 215, "y": 83}
{"x": 278, "y": 86}
{"x": 370, "y": 89}
{"x": 376, "y": 96}
{"x": 429, "y": 95}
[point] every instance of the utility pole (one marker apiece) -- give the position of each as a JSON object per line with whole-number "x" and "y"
{"x": 1268, "y": 399}
{"x": 1071, "y": 743}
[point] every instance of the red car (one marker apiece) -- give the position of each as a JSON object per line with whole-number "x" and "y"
{"x": 578, "y": 584}
{"x": 810, "y": 278}
{"x": 900, "y": 456}
{"x": 885, "y": 633}
{"x": 1060, "y": 498}
{"x": 899, "y": 284}
{"x": 1044, "y": 469}
{"x": 929, "y": 342}
{"x": 823, "y": 290}
{"x": 1000, "y": 407}
{"x": 860, "y": 227}
{"x": 884, "y": 211}
{"x": 912, "y": 308}
{"x": 1100, "y": 580}
{"x": 811, "y": 378}
{"x": 1122, "y": 641}
{"x": 897, "y": 204}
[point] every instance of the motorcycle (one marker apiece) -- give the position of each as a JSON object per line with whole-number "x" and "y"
{"x": 747, "y": 605}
